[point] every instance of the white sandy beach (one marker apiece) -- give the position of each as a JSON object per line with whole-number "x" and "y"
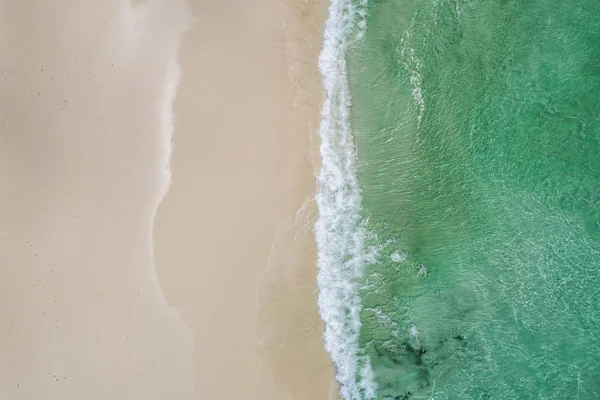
{"x": 248, "y": 104}
{"x": 91, "y": 305}
{"x": 82, "y": 163}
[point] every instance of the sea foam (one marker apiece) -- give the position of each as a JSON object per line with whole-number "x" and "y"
{"x": 339, "y": 230}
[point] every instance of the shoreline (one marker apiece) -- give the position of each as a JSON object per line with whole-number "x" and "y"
{"x": 240, "y": 169}
{"x": 287, "y": 289}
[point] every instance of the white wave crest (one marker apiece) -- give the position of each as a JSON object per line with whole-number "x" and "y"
{"x": 339, "y": 231}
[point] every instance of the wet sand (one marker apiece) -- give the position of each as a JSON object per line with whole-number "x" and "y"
{"x": 234, "y": 245}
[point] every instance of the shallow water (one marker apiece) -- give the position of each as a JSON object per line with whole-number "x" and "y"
{"x": 477, "y": 134}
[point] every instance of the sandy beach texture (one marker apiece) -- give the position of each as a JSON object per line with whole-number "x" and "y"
{"x": 84, "y": 103}
{"x": 222, "y": 304}
{"x": 234, "y": 248}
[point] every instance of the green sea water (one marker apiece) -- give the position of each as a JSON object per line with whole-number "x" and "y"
{"x": 477, "y": 130}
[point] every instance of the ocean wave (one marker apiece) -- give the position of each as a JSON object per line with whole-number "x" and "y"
{"x": 339, "y": 230}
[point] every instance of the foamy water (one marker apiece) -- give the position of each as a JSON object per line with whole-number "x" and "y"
{"x": 339, "y": 231}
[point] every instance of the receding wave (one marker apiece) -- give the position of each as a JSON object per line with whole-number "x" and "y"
{"x": 339, "y": 231}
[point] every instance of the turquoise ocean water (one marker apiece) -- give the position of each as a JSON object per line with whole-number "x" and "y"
{"x": 459, "y": 199}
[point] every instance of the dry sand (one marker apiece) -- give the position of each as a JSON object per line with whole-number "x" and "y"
{"x": 85, "y": 99}
{"x": 83, "y": 128}
{"x": 234, "y": 247}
